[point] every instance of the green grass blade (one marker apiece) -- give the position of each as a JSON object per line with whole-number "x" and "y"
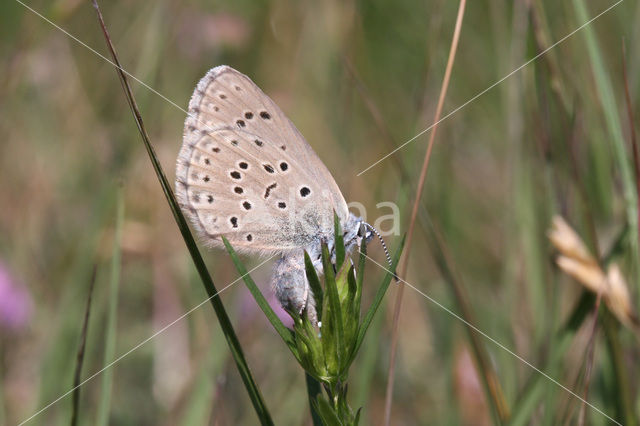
{"x": 229, "y": 333}
{"x": 104, "y": 406}
{"x": 622, "y": 397}
{"x": 534, "y": 390}
{"x": 377, "y": 300}
{"x": 281, "y": 329}
{"x": 606, "y": 93}
{"x": 314, "y": 283}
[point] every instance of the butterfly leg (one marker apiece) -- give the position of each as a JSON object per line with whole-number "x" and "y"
{"x": 292, "y": 288}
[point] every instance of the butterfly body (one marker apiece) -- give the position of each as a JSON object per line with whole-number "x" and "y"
{"x": 246, "y": 173}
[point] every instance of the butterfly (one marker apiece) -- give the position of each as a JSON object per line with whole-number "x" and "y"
{"x": 246, "y": 173}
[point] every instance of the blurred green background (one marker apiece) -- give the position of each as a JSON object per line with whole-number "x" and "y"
{"x": 358, "y": 78}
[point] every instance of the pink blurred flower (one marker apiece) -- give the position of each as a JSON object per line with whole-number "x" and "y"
{"x": 15, "y": 302}
{"x": 467, "y": 385}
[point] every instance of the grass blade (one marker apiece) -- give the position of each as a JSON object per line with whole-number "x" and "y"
{"x": 225, "y": 323}
{"x": 377, "y": 300}
{"x": 610, "y": 111}
{"x": 281, "y": 329}
{"x": 622, "y": 398}
{"x": 632, "y": 132}
{"x": 112, "y": 315}
{"x": 80, "y": 356}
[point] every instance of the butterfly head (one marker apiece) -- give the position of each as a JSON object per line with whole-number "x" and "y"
{"x": 357, "y": 230}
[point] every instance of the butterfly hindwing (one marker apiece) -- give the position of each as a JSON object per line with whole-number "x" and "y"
{"x": 245, "y": 172}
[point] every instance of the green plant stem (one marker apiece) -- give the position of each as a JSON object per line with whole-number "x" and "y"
{"x": 229, "y": 333}
{"x": 314, "y": 391}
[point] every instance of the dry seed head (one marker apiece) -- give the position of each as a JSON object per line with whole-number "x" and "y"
{"x": 576, "y": 261}
{"x": 567, "y": 241}
{"x": 618, "y": 299}
{"x": 589, "y": 275}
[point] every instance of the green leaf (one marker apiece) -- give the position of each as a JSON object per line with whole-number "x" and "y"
{"x": 338, "y": 241}
{"x": 314, "y": 283}
{"x": 319, "y": 369}
{"x": 325, "y": 410}
{"x": 281, "y": 329}
{"x": 356, "y": 421}
{"x": 351, "y": 310}
{"x": 360, "y": 276}
{"x": 376, "y": 302}
{"x": 342, "y": 283}
{"x": 334, "y": 305}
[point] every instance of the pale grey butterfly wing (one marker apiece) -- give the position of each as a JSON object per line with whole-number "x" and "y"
{"x": 245, "y": 172}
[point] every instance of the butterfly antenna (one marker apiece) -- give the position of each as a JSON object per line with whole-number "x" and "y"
{"x": 384, "y": 247}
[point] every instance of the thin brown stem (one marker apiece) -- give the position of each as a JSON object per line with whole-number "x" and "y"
{"x": 414, "y": 213}
{"x": 590, "y": 358}
{"x": 632, "y": 129}
{"x": 80, "y": 355}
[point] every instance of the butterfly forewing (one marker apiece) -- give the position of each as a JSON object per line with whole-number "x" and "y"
{"x": 245, "y": 172}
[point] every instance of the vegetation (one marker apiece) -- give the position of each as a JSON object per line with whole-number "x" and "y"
{"x": 359, "y": 78}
